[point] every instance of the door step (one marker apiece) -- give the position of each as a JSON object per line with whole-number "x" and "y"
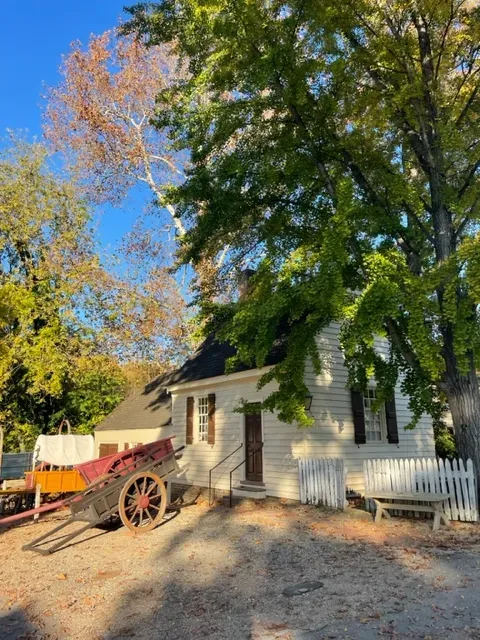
{"x": 252, "y": 483}
{"x": 249, "y": 490}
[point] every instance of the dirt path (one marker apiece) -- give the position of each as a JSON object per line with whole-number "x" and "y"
{"x": 220, "y": 574}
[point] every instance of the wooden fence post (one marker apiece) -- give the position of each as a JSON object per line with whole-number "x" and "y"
{"x": 38, "y": 489}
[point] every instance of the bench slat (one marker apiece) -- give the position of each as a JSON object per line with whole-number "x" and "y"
{"x": 421, "y": 497}
{"x": 425, "y": 508}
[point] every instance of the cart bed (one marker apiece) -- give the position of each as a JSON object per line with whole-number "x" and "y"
{"x": 94, "y": 469}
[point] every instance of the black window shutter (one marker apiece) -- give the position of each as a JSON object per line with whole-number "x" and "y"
{"x": 391, "y": 416}
{"x": 358, "y": 417}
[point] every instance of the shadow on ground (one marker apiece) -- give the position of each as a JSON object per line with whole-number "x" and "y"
{"x": 15, "y": 625}
{"x": 220, "y": 574}
{"x": 223, "y": 576}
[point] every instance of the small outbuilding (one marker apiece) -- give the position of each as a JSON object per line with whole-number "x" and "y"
{"x": 197, "y": 403}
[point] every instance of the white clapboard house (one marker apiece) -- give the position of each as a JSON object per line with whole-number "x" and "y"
{"x": 197, "y": 403}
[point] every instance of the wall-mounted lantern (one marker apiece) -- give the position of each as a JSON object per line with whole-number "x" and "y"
{"x": 308, "y": 401}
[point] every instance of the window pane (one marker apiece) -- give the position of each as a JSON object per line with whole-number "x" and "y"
{"x": 203, "y": 419}
{"x": 373, "y": 421}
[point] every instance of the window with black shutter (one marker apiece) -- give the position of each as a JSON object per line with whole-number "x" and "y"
{"x": 373, "y": 426}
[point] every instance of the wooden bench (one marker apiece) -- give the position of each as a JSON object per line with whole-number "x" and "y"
{"x": 433, "y": 503}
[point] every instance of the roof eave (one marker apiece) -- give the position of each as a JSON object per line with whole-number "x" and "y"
{"x": 216, "y": 380}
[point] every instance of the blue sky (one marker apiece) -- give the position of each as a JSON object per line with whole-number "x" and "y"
{"x": 33, "y": 37}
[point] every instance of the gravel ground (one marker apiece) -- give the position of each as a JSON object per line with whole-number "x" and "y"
{"x": 220, "y": 573}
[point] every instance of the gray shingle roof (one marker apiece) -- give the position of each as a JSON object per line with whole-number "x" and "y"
{"x": 209, "y": 361}
{"x": 149, "y": 407}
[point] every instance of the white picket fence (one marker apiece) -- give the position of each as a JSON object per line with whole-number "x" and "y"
{"x": 427, "y": 476}
{"x": 322, "y": 481}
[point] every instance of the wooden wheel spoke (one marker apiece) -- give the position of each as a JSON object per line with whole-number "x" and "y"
{"x": 144, "y": 485}
{"x": 153, "y": 506}
{"x": 158, "y": 493}
{"x": 140, "y": 517}
{"x": 134, "y": 513}
{"x": 150, "y": 489}
{"x": 149, "y": 515}
{"x": 132, "y": 497}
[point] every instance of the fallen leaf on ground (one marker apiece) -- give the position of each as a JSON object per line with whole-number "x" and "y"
{"x": 109, "y": 573}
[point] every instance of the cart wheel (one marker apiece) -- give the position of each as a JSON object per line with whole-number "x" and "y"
{"x": 142, "y": 502}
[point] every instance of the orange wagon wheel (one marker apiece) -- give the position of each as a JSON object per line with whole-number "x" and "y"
{"x": 142, "y": 502}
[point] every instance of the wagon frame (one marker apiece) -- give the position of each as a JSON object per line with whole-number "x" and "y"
{"x": 135, "y": 491}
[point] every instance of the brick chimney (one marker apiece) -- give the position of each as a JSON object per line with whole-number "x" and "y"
{"x": 244, "y": 284}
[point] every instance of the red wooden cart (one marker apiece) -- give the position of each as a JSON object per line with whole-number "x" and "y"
{"x": 129, "y": 485}
{"x": 94, "y": 469}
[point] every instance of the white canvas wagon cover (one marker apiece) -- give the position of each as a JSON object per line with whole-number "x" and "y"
{"x": 64, "y": 450}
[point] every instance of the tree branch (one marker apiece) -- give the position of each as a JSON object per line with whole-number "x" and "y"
{"x": 301, "y": 124}
{"x": 468, "y": 104}
{"x": 468, "y": 217}
{"x": 416, "y": 141}
{"x": 172, "y": 166}
{"x": 365, "y": 185}
{"x": 444, "y": 38}
{"x": 401, "y": 344}
{"x": 418, "y": 222}
{"x": 468, "y": 180}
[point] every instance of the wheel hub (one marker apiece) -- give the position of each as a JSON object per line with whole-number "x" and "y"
{"x": 143, "y": 502}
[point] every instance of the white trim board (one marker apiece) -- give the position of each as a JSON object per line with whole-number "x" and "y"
{"x": 215, "y": 381}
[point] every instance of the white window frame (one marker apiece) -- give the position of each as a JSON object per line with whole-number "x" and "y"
{"x": 369, "y": 398}
{"x": 202, "y": 419}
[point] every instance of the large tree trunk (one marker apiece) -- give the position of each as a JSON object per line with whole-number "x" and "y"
{"x": 463, "y": 396}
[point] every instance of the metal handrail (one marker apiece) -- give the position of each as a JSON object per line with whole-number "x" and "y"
{"x": 213, "y": 469}
{"x": 239, "y": 465}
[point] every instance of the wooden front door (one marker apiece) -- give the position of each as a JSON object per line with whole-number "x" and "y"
{"x": 253, "y": 442}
